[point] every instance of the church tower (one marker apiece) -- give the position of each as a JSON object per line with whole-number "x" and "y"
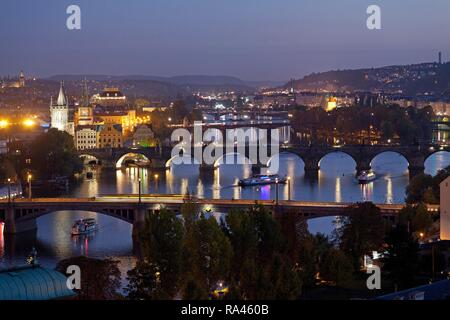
{"x": 59, "y": 111}
{"x": 85, "y": 110}
{"x": 21, "y": 79}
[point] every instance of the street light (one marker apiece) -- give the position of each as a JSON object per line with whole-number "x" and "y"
{"x": 276, "y": 193}
{"x": 139, "y": 187}
{"x": 3, "y": 123}
{"x": 156, "y": 182}
{"x": 28, "y": 122}
{"x": 289, "y": 188}
{"x": 29, "y": 185}
{"x": 9, "y": 190}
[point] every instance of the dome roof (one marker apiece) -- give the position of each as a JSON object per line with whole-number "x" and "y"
{"x": 33, "y": 283}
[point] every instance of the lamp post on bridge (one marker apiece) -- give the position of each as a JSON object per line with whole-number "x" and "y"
{"x": 9, "y": 190}
{"x": 276, "y": 192}
{"x": 289, "y": 188}
{"x": 29, "y": 177}
{"x": 139, "y": 186}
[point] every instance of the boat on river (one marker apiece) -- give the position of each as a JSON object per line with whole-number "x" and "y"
{"x": 366, "y": 177}
{"x": 262, "y": 179}
{"x": 84, "y": 226}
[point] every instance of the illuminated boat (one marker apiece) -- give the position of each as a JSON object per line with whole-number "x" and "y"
{"x": 262, "y": 179}
{"x": 366, "y": 176}
{"x": 84, "y": 226}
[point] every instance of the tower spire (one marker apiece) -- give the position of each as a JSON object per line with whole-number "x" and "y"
{"x": 85, "y": 94}
{"x": 62, "y": 100}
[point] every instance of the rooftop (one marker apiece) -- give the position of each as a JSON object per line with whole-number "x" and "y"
{"x": 33, "y": 282}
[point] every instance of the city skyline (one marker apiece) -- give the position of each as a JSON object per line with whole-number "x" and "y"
{"x": 261, "y": 40}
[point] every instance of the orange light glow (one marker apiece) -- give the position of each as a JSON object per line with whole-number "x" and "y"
{"x": 28, "y": 122}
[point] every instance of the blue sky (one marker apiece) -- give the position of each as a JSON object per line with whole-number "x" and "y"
{"x": 251, "y": 39}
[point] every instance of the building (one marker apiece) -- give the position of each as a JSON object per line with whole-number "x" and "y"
{"x": 445, "y": 210}
{"x": 85, "y": 112}
{"x": 32, "y": 282}
{"x": 125, "y": 118}
{"x": 21, "y": 79}
{"x": 59, "y": 111}
{"x": 110, "y": 97}
{"x": 86, "y": 137}
{"x": 331, "y": 104}
{"x": 144, "y": 136}
{"x": 20, "y": 83}
{"x": 110, "y": 136}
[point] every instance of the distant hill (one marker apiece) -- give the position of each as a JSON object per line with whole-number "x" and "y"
{"x": 185, "y": 82}
{"x": 424, "y": 78}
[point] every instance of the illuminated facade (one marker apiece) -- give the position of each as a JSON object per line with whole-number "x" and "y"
{"x": 59, "y": 111}
{"x": 110, "y": 97}
{"x": 143, "y": 136}
{"x": 86, "y": 137}
{"x": 125, "y": 118}
{"x": 331, "y": 104}
{"x": 20, "y": 83}
{"x": 110, "y": 136}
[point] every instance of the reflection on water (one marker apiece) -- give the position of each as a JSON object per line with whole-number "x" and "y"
{"x": 335, "y": 182}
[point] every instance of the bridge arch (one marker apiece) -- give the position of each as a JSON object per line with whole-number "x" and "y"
{"x": 137, "y": 155}
{"x": 405, "y": 156}
{"x": 442, "y": 159}
{"x": 126, "y": 215}
{"x": 186, "y": 158}
{"x": 218, "y": 161}
{"x": 338, "y": 151}
{"x": 400, "y": 163}
{"x": 300, "y": 157}
{"x": 89, "y": 159}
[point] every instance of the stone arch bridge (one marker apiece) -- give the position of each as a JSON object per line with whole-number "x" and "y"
{"x": 160, "y": 157}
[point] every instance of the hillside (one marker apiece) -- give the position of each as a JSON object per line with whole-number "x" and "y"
{"x": 425, "y": 78}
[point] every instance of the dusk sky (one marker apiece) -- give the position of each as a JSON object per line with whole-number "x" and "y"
{"x": 250, "y": 39}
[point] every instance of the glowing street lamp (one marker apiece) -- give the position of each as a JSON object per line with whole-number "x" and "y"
{"x": 9, "y": 190}
{"x": 156, "y": 182}
{"x": 29, "y": 177}
{"x": 3, "y": 123}
{"x": 139, "y": 186}
{"x": 276, "y": 191}
{"x": 28, "y": 122}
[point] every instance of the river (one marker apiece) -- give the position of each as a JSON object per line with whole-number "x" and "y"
{"x": 336, "y": 182}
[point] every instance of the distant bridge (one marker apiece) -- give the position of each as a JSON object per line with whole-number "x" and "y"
{"x": 20, "y": 215}
{"x": 160, "y": 158}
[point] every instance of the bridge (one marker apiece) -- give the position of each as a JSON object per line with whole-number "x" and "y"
{"x": 21, "y": 214}
{"x": 160, "y": 157}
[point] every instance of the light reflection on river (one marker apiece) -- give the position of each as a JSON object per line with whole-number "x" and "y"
{"x": 336, "y": 182}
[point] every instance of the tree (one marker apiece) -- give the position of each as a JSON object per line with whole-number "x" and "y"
{"x": 53, "y": 154}
{"x": 417, "y": 187}
{"x": 425, "y": 188}
{"x": 336, "y": 267}
{"x": 207, "y": 253}
{"x": 161, "y": 241}
{"x": 100, "y": 279}
{"x": 362, "y": 232}
{"x": 141, "y": 103}
{"x": 387, "y": 130}
{"x": 401, "y": 257}
{"x": 416, "y": 218}
{"x": 264, "y": 265}
{"x": 195, "y": 291}
{"x": 144, "y": 282}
